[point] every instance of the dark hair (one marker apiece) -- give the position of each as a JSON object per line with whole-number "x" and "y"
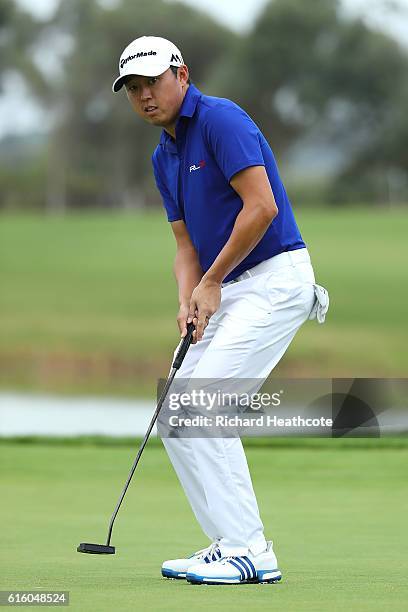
{"x": 174, "y": 70}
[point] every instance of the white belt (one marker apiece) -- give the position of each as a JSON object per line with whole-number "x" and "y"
{"x": 288, "y": 258}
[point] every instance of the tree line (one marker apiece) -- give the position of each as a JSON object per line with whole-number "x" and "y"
{"x": 305, "y": 73}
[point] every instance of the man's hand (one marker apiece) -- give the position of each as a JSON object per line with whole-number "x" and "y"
{"x": 205, "y": 301}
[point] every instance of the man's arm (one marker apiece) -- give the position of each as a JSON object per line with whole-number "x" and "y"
{"x": 258, "y": 211}
{"x": 187, "y": 271}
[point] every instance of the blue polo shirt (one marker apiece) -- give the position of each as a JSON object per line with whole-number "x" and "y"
{"x": 215, "y": 139}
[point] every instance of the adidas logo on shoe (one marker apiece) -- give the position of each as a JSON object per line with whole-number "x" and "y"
{"x": 262, "y": 568}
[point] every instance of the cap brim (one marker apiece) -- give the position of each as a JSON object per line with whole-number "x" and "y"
{"x": 148, "y": 71}
{"x": 118, "y": 83}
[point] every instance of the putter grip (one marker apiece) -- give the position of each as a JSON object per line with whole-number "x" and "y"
{"x": 181, "y": 353}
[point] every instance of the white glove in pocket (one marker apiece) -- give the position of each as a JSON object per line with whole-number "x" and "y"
{"x": 321, "y": 304}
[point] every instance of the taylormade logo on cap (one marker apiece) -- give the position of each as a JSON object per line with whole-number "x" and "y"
{"x": 147, "y": 56}
{"x": 131, "y": 57}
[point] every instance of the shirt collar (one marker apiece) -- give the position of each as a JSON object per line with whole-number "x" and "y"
{"x": 188, "y": 107}
{"x": 190, "y": 101}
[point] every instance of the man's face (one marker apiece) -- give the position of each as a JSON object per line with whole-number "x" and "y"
{"x": 158, "y": 99}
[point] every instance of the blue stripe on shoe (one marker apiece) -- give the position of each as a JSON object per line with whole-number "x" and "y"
{"x": 196, "y": 579}
{"x": 238, "y": 567}
{"x": 269, "y": 575}
{"x": 169, "y": 573}
{"x": 251, "y": 566}
{"x": 245, "y": 566}
{"x": 219, "y": 553}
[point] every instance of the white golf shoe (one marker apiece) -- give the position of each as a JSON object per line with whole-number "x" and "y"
{"x": 237, "y": 570}
{"x": 177, "y": 568}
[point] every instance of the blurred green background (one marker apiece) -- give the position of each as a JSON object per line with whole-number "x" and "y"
{"x": 88, "y": 300}
{"x": 327, "y": 81}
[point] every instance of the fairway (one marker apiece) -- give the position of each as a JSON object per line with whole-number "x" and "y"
{"x": 88, "y": 301}
{"x": 336, "y": 510}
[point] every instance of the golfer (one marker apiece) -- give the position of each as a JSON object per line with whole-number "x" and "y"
{"x": 244, "y": 279}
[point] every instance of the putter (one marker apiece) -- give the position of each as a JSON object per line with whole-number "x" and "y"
{"x": 107, "y": 549}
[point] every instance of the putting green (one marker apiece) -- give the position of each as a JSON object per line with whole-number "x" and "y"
{"x": 336, "y": 510}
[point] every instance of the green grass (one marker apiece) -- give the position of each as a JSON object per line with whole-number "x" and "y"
{"x": 88, "y": 301}
{"x": 336, "y": 510}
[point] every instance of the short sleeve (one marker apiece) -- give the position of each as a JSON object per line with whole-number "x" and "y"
{"x": 172, "y": 210}
{"x": 233, "y": 138}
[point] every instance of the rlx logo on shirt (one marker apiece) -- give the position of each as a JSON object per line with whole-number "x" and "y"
{"x": 201, "y": 164}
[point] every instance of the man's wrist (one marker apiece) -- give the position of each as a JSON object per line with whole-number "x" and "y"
{"x": 183, "y": 301}
{"x": 212, "y": 277}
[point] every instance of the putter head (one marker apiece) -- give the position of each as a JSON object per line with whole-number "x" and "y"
{"x": 96, "y": 549}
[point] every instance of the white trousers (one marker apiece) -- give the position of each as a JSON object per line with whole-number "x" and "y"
{"x": 245, "y": 339}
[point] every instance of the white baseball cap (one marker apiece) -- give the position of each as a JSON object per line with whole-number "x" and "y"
{"x": 147, "y": 56}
